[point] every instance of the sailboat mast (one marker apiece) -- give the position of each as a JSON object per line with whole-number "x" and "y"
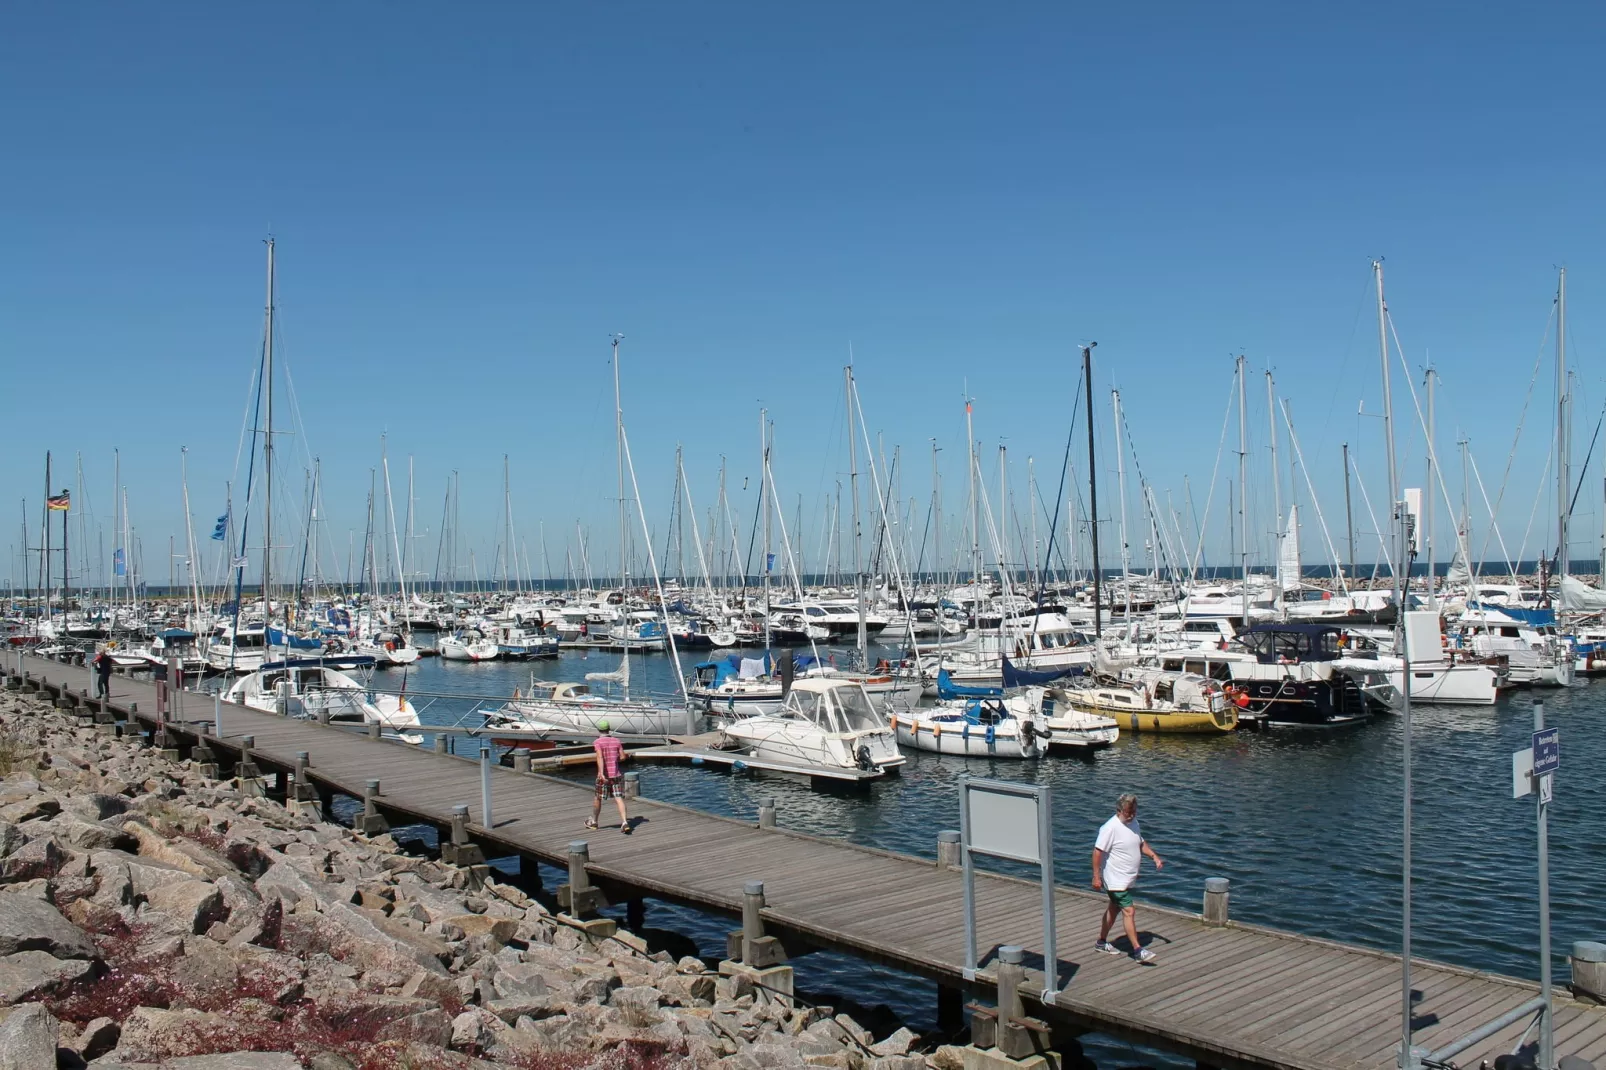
{"x": 1428, "y": 525}
{"x": 1092, "y": 490}
{"x": 763, "y": 490}
{"x": 619, "y": 442}
{"x": 267, "y": 451}
{"x": 1120, "y": 487}
{"x": 1243, "y": 484}
{"x": 1276, "y": 481}
{"x": 975, "y": 520}
{"x": 507, "y": 509}
{"x": 853, "y": 493}
{"x": 1563, "y": 439}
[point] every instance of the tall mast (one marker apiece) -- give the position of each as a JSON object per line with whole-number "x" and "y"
{"x": 763, "y": 492}
{"x": 936, "y": 515}
{"x": 862, "y": 639}
{"x": 1563, "y": 438}
{"x": 975, "y": 520}
{"x": 1349, "y": 517}
{"x": 1243, "y": 485}
{"x": 1120, "y": 486}
{"x": 47, "y": 578}
{"x": 1276, "y": 482}
{"x": 619, "y": 441}
{"x": 507, "y": 507}
{"x": 267, "y": 452}
{"x": 1003, "y": 508}
{"x": 1092, "y": 490}
{"x": 1427, "y": 532}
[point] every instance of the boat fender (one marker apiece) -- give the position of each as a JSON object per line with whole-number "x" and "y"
{"x": 992, "y": 731}
{"x": 893, "y": 721}
{"x": 964, "y": 732}
{"x": 936, "y": 731}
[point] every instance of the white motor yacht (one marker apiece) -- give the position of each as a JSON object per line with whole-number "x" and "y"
{"x": 313, "y": 689}
{"x": 824, "y": 723}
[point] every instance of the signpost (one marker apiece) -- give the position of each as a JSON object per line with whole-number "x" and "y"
{"x": 1003, "y": 819}
{"x": 1536, "y": 767}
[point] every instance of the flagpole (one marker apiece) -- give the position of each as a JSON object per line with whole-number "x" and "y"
{"x": 44, "y": 558}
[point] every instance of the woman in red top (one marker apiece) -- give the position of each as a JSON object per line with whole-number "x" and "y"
{"x": 610, "y": 781}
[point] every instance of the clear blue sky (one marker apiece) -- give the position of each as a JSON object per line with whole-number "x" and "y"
{"x": 468, "y": 200}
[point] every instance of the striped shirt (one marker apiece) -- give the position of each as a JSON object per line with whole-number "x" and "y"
{"x": 610, "y": 750}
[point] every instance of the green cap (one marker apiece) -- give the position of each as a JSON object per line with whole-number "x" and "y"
{"x": 603, "y": 726}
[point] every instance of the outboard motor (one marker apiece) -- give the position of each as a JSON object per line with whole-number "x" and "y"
{"x": 863, "y": 757}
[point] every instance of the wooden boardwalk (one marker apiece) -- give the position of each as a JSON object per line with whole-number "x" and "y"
{"x": 1228, "y": 996}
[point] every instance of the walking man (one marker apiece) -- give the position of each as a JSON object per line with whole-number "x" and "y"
{"x": 103, "y": 674}
{"x": 1117, "y": 854}
{"x": 610, "y": 781}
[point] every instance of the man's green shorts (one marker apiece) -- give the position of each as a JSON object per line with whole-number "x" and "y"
{"x": 1122, "y": 899}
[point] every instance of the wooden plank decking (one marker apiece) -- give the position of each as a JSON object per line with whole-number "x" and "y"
{"x": 1230, "y": 996}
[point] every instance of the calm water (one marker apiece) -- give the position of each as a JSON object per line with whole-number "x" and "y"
{"x": 1306, "y": 824}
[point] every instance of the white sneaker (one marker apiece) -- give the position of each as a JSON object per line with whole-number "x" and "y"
{"x": 1106, "y": 947}
{"x": 1143, "y": 954}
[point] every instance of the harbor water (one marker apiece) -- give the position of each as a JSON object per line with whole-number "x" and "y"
{"x": 1305, "y": 824}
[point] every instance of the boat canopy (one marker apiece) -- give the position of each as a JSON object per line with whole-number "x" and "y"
{"x": 1534, "y": 618}
{"x": 946, "y": 688}
{"x": 1018, "y": 677}
{"x": 835, "y": 706}
{"x": 1273, "y": 643}
{"x": 350, "y": 661}
{"x": 175, "y": 633}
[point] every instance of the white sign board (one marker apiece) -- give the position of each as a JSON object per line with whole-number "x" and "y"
{"x": 1522, "y": 773}
{"x": 1547, "y": 788}
{"x": 1004, "y": 825}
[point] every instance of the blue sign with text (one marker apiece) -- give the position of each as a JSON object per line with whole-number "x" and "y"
{"x": 1547, "y": 751}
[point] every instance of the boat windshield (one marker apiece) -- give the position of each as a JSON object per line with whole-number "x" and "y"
{"x": 858, "y": 714}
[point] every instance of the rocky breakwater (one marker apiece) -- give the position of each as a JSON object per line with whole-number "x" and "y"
{"x": 152, "y": 918}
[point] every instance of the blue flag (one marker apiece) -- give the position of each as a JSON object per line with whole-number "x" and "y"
{"x": 118, "y": 567}
{"x": 769, "y": 563}
{"x": 220, "y": 532}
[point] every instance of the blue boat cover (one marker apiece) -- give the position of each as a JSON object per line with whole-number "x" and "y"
{"x": 946, "y": 688}
{"x": 1017, "y": 677}
{"x": 294, "y": 642}
{"x": 175, "y": 633}
{"x": 1534, "y": 618}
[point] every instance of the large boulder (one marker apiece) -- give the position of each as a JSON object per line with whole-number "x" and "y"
{"x": 29, "y": 924}
{"x": 193, "y": 905}
{"x": 28, "y": 1037}
{"x": 34, "y": 973}
{"x": 42, "y": 857}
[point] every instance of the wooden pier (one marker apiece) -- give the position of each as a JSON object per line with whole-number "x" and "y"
{"x": 1227, "y": 995}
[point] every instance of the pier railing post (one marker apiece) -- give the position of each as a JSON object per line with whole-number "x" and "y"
{"x": 373, "y": 823}
{"x": 486, "y": 820}
{"x": 766, "y": 812}
{"x": 1215, "y": 901}
{"x": 948, "y": 850}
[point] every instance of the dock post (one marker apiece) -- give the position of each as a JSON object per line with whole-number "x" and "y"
{"x": 1589, "y": 970}
{"x": 1215, "y": 901}
{"x": 632, "y": 785}
{"x": 303, "y": 798}
{"x": 486, "y": 820}
{"x": 578, "y": 897}
{"x": 521, "y": 761}
{"x": 246, "y": 775}
{"x": 759, "y": 958}
{"x": 323, "y": 715}
{"x": 1013, "y": 1039}
{"x": 202, "y": 754}
{"x": 460, "y": 851}
{"x": 948, "y": 856}
{"x": 373, "y": 729}
{"x": 373, "y": 823}
{"x": 217, "y": 714}
{"x": 766, "y": 812}
{"x": 440, "y": 743}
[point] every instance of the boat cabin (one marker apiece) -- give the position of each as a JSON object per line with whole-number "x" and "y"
{"x": 1275, "y": 644}
{"x": 836, "y": 707}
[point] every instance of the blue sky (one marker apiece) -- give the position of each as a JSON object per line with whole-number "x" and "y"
{"x": 467, "y": 202}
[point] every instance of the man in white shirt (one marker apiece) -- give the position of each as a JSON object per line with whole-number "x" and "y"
{"x": 1117, "y": 854}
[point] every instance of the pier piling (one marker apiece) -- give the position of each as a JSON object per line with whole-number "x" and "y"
{"x": 1215, "y": 901}
{"x": 1589, "y": 970}
{"x": 766, "y": 812}
{"x": 578, "y": 897}
{"x": 948, "y": 854}
{"x": 373, "y": 822}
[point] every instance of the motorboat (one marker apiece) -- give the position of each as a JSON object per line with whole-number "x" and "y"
{"x": 514, "y": 643}
{"x": 316, "y": 689}
{"x": 240, "y": 649}
{"x": 736, "y": 686}
{"x": 1436, "y": 675}
{"x": 468, "y": 644}
{"x": 824, "y": 723}
{"x": 570, "y": 707}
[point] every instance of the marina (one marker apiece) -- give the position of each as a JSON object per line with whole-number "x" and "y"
{"x": 537, "y": 817}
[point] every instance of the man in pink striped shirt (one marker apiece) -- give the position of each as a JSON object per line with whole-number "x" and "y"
{"x": 610, "y": 781}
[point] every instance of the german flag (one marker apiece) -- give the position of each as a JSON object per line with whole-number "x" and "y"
{"x": 60, "y": 503}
